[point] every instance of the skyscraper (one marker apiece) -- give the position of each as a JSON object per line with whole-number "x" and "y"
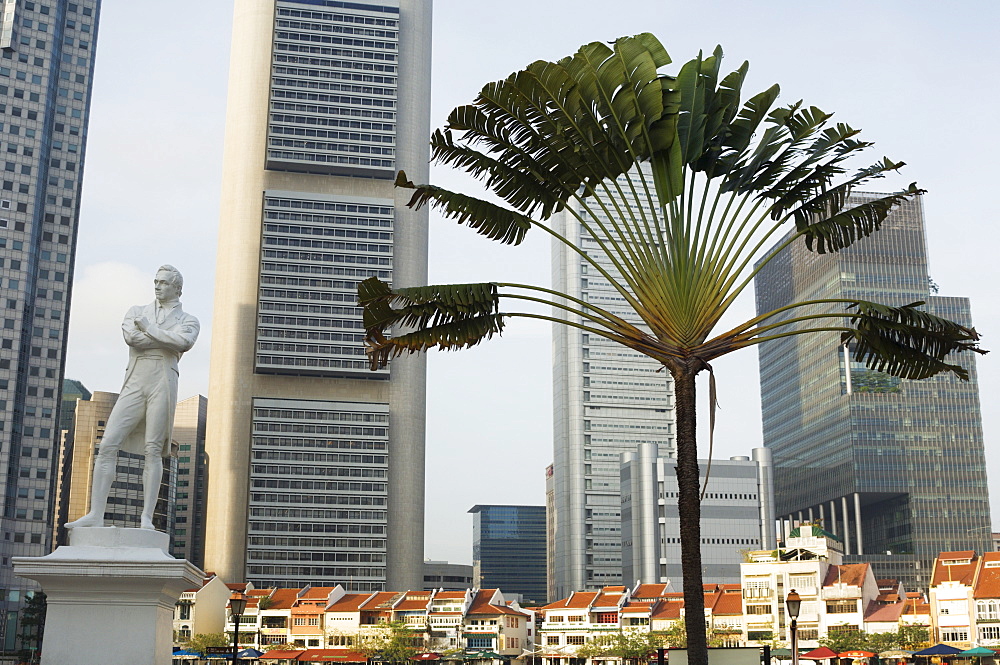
{"x": 316, "y": 464}
{"x": 188, "y": 540}
{"x": 895, "y": 468}
{"x": 737, "y": 513}
{"x": 508, "y": 551}
{"x": 47, "y": 53}
{"x": 607, "y": 400}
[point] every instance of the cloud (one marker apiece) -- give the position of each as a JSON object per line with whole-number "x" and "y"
{"x": 102, "y": 293}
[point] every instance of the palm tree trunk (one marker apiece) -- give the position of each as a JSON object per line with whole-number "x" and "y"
{"x": 689, "y": 511}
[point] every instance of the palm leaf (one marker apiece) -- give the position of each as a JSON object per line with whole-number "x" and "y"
{"x": 843, "y": 228}
{"x": 908, "y": 342}
{"x": 459, "y": 334}
{"x": 488, "y": 219}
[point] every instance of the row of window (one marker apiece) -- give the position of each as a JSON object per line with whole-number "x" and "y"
{"x": 338, "y": 64}
{"x": 310, "y": 514}
{"x": 344, "y": 18}
{"x": 283, "y": 470}
{"x": 295, "y": 442}
{"x": 328, "y": 458}
{"x": 312, "y": 349}
{"x": 310, "y": 527}
{"x": 317, "y": 485}
{"x": 327, "y": 499}
{"x": 342, "y": 29}
{"x": 281, "y": 241}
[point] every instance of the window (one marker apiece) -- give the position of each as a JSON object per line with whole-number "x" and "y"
{"x": 989, "y": 632}
{"x": 841, "y": 606}
{"x": 954, "y": 635}
{"x": 987, "y": 610}
{"x": 607, "y": 617}
{"x": 576, "y": 639}
{"x": 479, "y": 642}
{"x": 758, "y": 609}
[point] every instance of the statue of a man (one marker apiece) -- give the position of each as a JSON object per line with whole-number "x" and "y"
{"x": 143, "y": 417}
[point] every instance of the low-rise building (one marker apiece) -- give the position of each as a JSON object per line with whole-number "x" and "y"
{"x": 951, "y": 595}
{"x": 201, "y": 610}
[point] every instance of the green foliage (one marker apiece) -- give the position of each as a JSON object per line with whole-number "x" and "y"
{"x": 870, "y": 381}
{"x": 911, "y": 638}
{"x": 198, "y": 643}
{"x": 628, "y": 645}
{"x": 265, "y": 602}
{"x": 31, "y": 625}
{"x": 392, "y": 642}
{"x": 675, "y": 637}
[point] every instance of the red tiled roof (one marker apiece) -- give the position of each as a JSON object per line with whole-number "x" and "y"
{"x": 580, "y": 600}
{"x": 316, "y": 592}
{"x": 886, "y": 613}
{"x": 642, "y": 607}
{"x": 729, "y": 604}
{"x": 851, "y": 574}
{"x": 378, "y": 599}
{"x": 409, "y": 605}
{"x": 350, "y": 602}
{"x": 445, "y": 595}
{"x": 670, "y": 609}
{"x": 283, "y": 599}
{"x": 988, "y": 578}
{"x": 963, "y": 573}
{"x": 481, "y": 605}
{"x": 649, "y": 591}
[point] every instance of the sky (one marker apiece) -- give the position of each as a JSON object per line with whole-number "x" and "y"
{"x": 918, "y": 77}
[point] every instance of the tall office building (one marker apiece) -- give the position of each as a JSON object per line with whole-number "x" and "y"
{"x": 737, "y": 514}
{"x": 895, "y": 468}
{"x": 607, "y": 400}
{"x": 47, "y": 52}
{"x": 188, "y": 540}
{"x": 316, "y": 463}
{"x": 508, "y": 551}
{"x": 72, "y": 391}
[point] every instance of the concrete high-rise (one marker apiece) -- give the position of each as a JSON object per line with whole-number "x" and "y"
{"x": 188, "y": 540}
{"x": 607, "y": 400}
{"x": 737, "y": 514}
{"x": 47, "y": 51}
{"x": 895, "y": 468}
{"x": 508, "y": 551}
{"x": 316, "y": 463}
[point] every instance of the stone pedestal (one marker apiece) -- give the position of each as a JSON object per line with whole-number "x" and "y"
{"x": 111, "y": 595}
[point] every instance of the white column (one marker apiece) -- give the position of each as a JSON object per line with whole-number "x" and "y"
{"x": 847, "y": 525}
{"x": 857, "y": 519}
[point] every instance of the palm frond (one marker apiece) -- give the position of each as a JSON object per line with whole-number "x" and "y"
{"x": 906, "y": 341}
{"x": 450, "y": 336}
{"x": 842, "y": 228}
{"x": 488, "y": 219}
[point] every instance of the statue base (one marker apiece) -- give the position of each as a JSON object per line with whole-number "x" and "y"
{"x": 110, "y": 591}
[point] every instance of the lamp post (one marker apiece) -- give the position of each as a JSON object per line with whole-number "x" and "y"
{"x": 793, "y": 602}
{"x": 237, "y": 605}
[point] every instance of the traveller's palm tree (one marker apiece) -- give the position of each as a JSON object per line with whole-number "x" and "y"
{"x": 679, "y": 238}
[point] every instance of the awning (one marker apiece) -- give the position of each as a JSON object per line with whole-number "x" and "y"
{"x": 938, "y": 650}
{"x": 426, "y": 656}
{"x": 822, "y": 653}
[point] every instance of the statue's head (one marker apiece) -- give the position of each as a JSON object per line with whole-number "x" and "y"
{"x": 168, "y": 283}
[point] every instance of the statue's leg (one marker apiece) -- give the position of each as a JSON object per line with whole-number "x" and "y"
{"x": 157, "y": 431}
{"x": 152, "y": 476}
{"x": 124, "y": 416}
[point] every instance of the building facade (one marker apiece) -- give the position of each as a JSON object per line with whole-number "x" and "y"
{"x": 737, "y": 514}
{"x": 607, "y": 399}
{"x": 188, "y": 540}
{"x": 47, "y": 52}
{"x": 895, "y": 468}
{"x": 447, "y": 576}
{"x": 317, "y": 463}
{"x": 508, "y": 551}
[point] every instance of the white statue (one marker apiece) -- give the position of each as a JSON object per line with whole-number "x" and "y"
{"x": 143, "y": 417}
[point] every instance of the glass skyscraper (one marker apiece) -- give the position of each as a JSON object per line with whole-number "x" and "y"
{"x": 508, "y": 551}
{"x": 895, "y": 468}
{"x": 316, "y": 463}
{"x": 47, "y": 53}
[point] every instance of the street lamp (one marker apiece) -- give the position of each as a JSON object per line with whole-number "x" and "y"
{"x": 793, "y": 602}
{"x": 237, "y": 605}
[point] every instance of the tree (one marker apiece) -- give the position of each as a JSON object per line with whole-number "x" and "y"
{"x": 32, "y": 625}
{"x": 679, "y": 188}
{"x": 198, "y": 643}
{"x": 630, "y": 646}
{"x": 391, "y": 642}
{"x": 283, "y": 646}
{"x": 906, "y": 637}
